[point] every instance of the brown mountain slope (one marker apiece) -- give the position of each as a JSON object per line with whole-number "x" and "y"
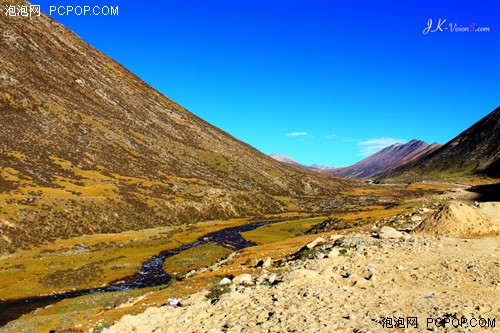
{"x": 475, "y": 150}
{"x": 87, "y": 147}
{"x": 387, "y": 160}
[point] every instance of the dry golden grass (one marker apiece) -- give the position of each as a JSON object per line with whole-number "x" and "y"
{"x": 122, "y": 254}
{"x": 118, "y": 255}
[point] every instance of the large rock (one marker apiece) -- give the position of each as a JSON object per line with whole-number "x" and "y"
{"x": 335, "y": 252}
{"x": 416, "y": 218}
{"x": 243, "y": 279}
{"x": 315, "y": 242}
{"x": 271, "y": 278}
{"x": 266, "y": 263}
{"x": 225, "y": 281}
{"x": 388, "y": 232}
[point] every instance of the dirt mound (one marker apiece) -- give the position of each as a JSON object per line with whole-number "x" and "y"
{"x": 458, "y": 220}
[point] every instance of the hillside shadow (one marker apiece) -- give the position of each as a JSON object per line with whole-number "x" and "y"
{"x": 490, "y": 192}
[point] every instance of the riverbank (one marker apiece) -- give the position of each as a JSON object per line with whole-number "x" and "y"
{"x": 152, "y": 273}
{"x": 195, "y": 271}
{"x": 354, "y": 283}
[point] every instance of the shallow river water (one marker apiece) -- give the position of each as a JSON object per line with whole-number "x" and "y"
{"x": 150, "y": 275}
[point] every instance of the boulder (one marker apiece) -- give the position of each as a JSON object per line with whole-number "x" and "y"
{"x": 335, "y": 252}
{"x": 243, "y": 279}
{"x": 416, "y": 218}
{"x": 266, "y": 263}
{"x": 388, "y": 232}
{"x": 271, "y": 278}
{"x": 225, "y": 281}
{"x": 315, "y": 242}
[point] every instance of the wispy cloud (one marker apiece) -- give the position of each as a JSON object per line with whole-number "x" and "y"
{"x": 369, "y": 147}
{"x": 341, "y": 138}
{"x": 295, "y": 134}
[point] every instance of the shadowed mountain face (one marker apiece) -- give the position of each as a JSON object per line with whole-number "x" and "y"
{"x": 387, "y": 160}
{"x": 86, "y": 146}
{"x": 475, "y": 150}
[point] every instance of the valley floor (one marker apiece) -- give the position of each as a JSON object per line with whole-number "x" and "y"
{"x": 425, "y": 281}
{"x": 350, "y": 282}
{"x": 355, "y": 283}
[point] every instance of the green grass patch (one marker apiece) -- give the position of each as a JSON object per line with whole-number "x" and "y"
{"x": 279, "y": 232}
{"x": 196, "y": 257}
{"x": 64, "y": 314}
{"x": 91, "y": 261}
{"x": 217, "y": 291}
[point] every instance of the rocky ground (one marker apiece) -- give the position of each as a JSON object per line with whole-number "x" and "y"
{"x": 360, "y": 282}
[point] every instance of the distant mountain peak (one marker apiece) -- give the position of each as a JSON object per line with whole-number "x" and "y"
{"x": 284, "y": 159}
{"x": 475, "y": 150}
{"x": 387, "y": 160}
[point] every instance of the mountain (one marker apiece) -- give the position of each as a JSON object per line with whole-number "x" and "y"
{"x": 387, "y": 160}
{"x": 474, "y": 151}
{"x": 285, "y": 159}
{"x": 320, "y": 167}
{"x": 88, "y": 147}
{"x": 288, "y": 160}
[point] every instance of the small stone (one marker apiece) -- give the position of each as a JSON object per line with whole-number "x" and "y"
{"x": 267, "y": 263}
{"x": 370, "y": 277}
{"x": 320, "y": 255}
{"x": 225, "y": 281}
{"x": 271, "y": 278}
{"x": 416, "y": 218}
{"x": 334, "y": 253}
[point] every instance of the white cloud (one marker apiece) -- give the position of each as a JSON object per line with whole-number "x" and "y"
{"x": 369, "y": 147}
{"x": 295, "y": 134}
{"x": 341, "y": 138}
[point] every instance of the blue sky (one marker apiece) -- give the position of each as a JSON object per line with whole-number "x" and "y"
{"x": 325, "y": 82}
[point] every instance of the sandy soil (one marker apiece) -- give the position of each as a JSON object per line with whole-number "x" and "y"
{"x": 361, "y": 283}
{"x": 422, "y": 277}
{"x": 490, "y": 210}
{"x": 460, "y": 220}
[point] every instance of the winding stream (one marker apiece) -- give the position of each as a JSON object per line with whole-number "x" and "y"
{"x": 150, "y": 275}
